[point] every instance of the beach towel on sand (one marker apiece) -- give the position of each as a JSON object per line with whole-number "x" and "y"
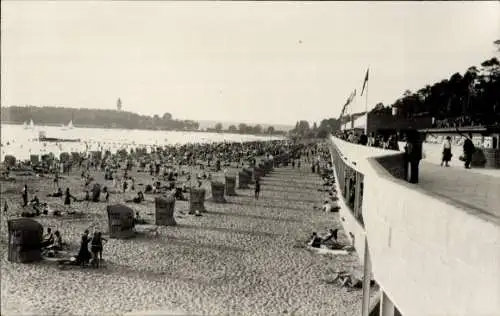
{"x": 327, "y": 251}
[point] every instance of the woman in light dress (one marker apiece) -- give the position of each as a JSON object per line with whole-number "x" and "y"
{"x": 446, "y": 152}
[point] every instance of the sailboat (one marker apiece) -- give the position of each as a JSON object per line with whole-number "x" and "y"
{"x": 30, "y": 126}
{"x": 67, "y": 127}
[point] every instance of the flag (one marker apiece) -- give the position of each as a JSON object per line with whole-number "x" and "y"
{"x": 365, "y": 81}
{"x": 349, "y": 100}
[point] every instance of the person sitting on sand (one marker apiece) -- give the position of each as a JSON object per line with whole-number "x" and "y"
{"x": 137, "y": 218}
{"x": 59, "y": 193}
{"x": 57, "y": 245}
{"x": 138, "y": 199}
{"x": 315, "y": 241}
{"x": 327, "y": 207}
{"x": 35, "y": 201}
{"x": 178, "y": 194}
{"x": 333, "y": 234}
{"x": 48, "y": 239}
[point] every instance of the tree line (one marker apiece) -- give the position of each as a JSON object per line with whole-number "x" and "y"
{"x": 100, "y": 118}
{"x": 472, "y": 98}
{"x": 469, "y": 99}
{"x": 94, "y": 118}
{"x": 302, "y": 128}
{"x": 246, "y": 129}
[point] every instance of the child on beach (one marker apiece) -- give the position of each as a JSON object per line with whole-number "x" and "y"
{"x": 315, "y": 241}
{"x": 257, "y": 189}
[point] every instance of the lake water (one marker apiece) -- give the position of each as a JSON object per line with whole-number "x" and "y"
{"x": 24, "y": 142}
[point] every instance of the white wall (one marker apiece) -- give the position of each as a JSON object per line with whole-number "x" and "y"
{"x": 429, "y": 256}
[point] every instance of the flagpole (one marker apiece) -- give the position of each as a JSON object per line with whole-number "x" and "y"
{"x": 366, "y": 106}
{"x": 351, "y": 123}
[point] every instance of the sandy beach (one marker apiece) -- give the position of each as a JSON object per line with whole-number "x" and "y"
{"x": 245, "y": 257}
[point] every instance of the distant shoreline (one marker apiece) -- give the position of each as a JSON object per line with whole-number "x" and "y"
{"x": 149, "y": 130}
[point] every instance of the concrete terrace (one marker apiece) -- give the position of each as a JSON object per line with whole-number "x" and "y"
{"x": 432, "y": 247}
{"x": 469, "y": 189}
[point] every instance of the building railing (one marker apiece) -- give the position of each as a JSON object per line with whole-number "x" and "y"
{"x": 350, "y": 183}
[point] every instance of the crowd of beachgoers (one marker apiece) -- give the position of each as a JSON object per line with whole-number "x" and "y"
{"x": 70, "y": 186}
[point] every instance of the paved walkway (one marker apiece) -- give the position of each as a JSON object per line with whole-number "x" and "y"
{"x": 470, "y": 189}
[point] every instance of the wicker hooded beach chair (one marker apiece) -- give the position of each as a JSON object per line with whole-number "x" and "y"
{"x": 164, "y": 210}
{"x": 121, "y": 221}
{"x": 25, "y": 240}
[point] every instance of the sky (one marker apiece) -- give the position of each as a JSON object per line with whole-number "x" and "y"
{"x": 255, "y": 62}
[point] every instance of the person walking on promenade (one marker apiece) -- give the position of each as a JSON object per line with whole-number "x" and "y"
{"x": 371, "y": 140}
{"x": 363, "y": 139}
{"x": 446, "y": 152}
{"x": 413, "y": 155}
{"x": 469, "y": 150}
{"x": 257, "y": 189}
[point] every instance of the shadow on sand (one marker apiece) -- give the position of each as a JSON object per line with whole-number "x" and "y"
{"x": 184, "y": 242}
{"x": 283, "y": 197}
{"x": 268, "y": 205}
{"x": 228, "y": 230}
{"x": 260, "y": 217}
{"x": 144, "y": 273}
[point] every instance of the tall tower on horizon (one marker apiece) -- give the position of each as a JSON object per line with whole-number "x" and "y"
{"x": 119, "y": 104}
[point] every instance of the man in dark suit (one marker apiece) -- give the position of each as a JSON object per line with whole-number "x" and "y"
{"x": 363, "y": 139}
{"x": 413, "y": 155}
{"x": 469, "y": 150}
